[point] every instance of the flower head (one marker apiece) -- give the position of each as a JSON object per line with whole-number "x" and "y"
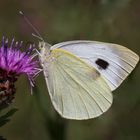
{"x": 13, "y": 63}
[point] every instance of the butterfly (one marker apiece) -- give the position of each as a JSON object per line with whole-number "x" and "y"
{"x": 81, "y": 75}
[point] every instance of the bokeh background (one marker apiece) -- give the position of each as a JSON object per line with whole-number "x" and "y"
{"x": 116, "y": 21}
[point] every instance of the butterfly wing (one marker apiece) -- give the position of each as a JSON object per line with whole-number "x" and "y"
{"x": 76, "y": 89}
{"x": 113, "y": 61}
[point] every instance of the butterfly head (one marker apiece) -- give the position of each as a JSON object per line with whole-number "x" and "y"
{"x": 44, "y": 48}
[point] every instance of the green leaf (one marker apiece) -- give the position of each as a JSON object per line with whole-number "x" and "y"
{"x": 5, "y": 118}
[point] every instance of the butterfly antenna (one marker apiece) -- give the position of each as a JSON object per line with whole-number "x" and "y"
{"x": 37, "y": 35}
{"x": 34, "y": 35}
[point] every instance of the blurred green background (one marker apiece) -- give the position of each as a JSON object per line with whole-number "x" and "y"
{"x": 116, "y": 21}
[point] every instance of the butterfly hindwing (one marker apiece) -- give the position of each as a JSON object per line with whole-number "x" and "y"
{"x": 77, "y": 90}
{"x": 114, "y": 62}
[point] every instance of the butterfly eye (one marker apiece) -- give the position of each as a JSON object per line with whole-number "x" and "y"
{"x": 102, "y": 64}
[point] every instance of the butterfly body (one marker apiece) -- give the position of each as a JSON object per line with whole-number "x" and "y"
{"x": 80, "y": 75}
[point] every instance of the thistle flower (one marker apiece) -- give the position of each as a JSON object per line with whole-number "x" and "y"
{"x": 13, "y": 63}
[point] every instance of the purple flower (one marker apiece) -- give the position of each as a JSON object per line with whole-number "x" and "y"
{"x": 13, "y": 63}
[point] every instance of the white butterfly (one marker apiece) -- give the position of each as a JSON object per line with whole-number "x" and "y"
{"x": 80, "y": 75}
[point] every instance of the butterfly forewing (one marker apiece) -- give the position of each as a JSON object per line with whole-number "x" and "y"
{"x": 77, "y": 90}
{"x": 114, "y": 62}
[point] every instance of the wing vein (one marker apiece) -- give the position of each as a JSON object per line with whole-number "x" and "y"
{"x": 109, "y": 60}
{"x": 69, "y": 88}
{"x": 85, "y": 83}
{"x": 78, "y": 93}
{"x": 83, "y": 89}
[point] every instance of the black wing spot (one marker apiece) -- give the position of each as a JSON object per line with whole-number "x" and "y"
{"x": 102, "y": 63}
